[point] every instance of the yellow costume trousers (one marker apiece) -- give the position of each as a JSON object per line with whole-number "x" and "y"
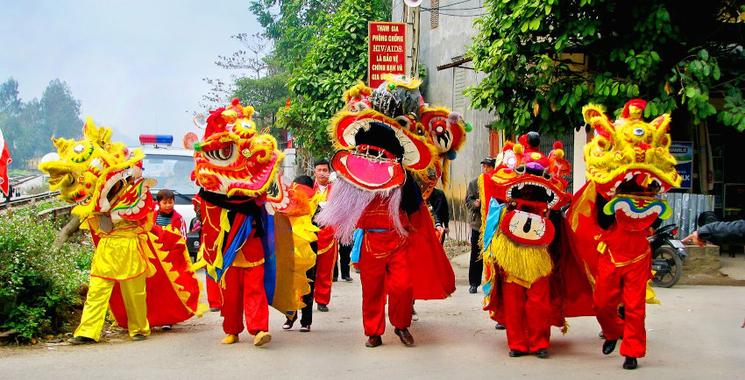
{"x": 97, "y": 304}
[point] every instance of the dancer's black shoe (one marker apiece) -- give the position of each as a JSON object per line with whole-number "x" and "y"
{"x": 609, "y": 346}
{"x": 289, "y": 323}
{"x": 405, "y": 337}
{"x": 373, "y": 341}
{"x": 630, "y": 363}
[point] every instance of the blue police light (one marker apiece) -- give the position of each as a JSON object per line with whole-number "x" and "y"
{"x": 156, "y": 139}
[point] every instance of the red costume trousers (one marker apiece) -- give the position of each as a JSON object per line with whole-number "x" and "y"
{"x": 526, "y": 314}
{"x": 380, "y": 276}
{"x": 325, "y": 265}
{"x": 627, "y": 285}
{"x": 244, "y": 295}
{"x": 214, "y": 294}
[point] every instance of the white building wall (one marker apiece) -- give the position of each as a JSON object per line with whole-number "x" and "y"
{"x": 438, "y": 46}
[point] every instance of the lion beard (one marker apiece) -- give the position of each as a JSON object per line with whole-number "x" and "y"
{"x": 347, "y": 203}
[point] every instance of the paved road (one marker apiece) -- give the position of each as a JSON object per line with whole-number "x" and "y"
{"x": 695, "y": 333}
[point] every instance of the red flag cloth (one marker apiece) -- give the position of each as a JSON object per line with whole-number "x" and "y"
{"x": 5, "y": 161}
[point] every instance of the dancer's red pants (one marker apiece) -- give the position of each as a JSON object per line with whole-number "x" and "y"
{"x": 325, "y": 265}
{"x": 627, "y": 285}
{"x": 214, "y": 294}
{"x": 381, "y": 276}
{"x": 244, "y": 295}
{"x": 526, "y": 314}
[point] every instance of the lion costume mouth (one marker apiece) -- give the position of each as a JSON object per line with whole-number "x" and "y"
{"x": 634, "y": 181}
{"x": 530, "y": 197}
{"x": 376, "y": 151}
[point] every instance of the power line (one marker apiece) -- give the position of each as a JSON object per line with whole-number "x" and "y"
{"x": 457, "y": 15}
{"x": 452, "y": 9}
{"x": 455, "y": 3}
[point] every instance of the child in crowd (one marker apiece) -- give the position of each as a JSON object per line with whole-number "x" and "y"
{"x": 165, "y": 214}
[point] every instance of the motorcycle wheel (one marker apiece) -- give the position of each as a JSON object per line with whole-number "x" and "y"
{"x": 667, "y": 280}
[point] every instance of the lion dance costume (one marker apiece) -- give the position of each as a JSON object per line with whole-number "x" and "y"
{"x": 298, "y": 203}
{"x": 377, "y": 204}
{"x": 517, "y": 199}
{"x": 145, "y": 275}
{"x": 245, "y": 250}
{"x": 327, "y": 252}
{"x": 628, "y": 164}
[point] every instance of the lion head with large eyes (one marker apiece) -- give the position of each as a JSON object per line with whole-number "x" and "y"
{"x": 629, "y": 163}
{"x": 629, "y": 156}
{"x": 234, "y": 158}
{"x": 98, "y": 175}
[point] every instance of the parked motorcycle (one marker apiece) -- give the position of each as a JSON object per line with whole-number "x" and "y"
{"x": 668, "y": 254}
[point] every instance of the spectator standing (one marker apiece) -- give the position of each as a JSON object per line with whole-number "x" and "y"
{"x": 473, "y": 204}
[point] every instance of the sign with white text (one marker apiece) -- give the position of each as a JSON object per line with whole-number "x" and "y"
{"x": 386, "y": 51}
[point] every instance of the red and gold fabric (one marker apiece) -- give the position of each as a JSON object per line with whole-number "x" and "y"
{"x": 131, "y": 265}
{"x": 517, "y": 199}
{"x": 327, "y": 254}
{"x": 628, "y": 165}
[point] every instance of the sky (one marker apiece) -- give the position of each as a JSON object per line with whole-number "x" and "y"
{"x": 136, "y": 66}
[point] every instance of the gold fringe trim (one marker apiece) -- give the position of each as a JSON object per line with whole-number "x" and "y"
{"x": 172, "y": 274}
{"x": 523, "y": 264}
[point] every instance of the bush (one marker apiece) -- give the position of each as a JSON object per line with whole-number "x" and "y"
{"x": 39, "y": 286}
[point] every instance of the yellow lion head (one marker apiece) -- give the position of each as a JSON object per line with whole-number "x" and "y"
{"x": 97, "y": 174}
{"x": 629, "y": 156}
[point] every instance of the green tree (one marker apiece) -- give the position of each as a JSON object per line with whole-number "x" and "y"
{"x": 60, "y": 110}
{"x": 28, "y": 127}
{"x": 337, "y": 59}
{"x": 10, "y": 103}
{"x": 678, "y": 56}
{"x": 266, "y": 95}
{"x": 294, "y": 28}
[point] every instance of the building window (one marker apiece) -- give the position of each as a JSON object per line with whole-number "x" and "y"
{"x": 434, "y": 14}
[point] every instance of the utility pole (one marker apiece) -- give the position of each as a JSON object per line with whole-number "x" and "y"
{"x": 415, "y": 44}
{"x": 411, "y": 18}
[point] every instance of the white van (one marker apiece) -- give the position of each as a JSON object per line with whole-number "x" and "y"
{"x": 172, "y": 168}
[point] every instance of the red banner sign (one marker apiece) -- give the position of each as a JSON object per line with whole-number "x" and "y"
{"x": 386, "y": 52}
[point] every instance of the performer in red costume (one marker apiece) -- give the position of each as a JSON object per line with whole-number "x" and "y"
{"x": 378, "y": 204}
{"x": 517, "y": 198}
{"x": 235, "y": 165}
{"x": 326, "y": 247}
{"x": 628, "y": 164}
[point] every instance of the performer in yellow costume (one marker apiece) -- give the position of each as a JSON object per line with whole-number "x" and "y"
{"x": 119, "y": 258}
{"x": 113, "y": 200}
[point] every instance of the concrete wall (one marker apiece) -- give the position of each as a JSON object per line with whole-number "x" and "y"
{"x": 438, "y": 46}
